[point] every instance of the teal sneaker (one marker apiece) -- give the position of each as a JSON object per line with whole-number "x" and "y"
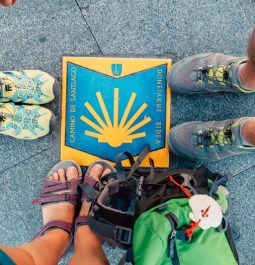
{"x": 205, "y": 73}
{"x": 28, "y": 86}
{"x": 26, "y": 122}
{"x": 209, "y": 141}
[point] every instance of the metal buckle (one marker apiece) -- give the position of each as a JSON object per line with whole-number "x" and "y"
{"x": 123, "y": 234}
{"x": 139, "y": 187}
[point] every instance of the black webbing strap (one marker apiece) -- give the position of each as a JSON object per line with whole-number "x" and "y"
{"x": 107, "y": 178}
{"x": 168, "y": 173}
{"x": 176, "y": 233}
{"x": 118, "y": 164}
{"x": 172, "y": 220}
{"x": 139, "y": 160}
{"x": 151, "y": 176}
{"x": 207, "y": 173}
{"x": 199, "y": 179}
{"x": 134, "y": 164}
{"x": 104, "y": 208}
{"x": 90, "y": 192}
{"x": 114, "y": 216}
{"x": 118, "y": 233}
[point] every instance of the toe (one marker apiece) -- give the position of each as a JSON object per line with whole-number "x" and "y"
{"x": 55, "y": 176}
{"x": 50, "y": 178}
{"x": 62, "y": 175}
{"x": 71, "y": 173}
{"x": 106, "y": 171}
{"x": 96, "y": 171}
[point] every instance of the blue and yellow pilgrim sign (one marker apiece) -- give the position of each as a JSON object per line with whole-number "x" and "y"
{"x": 111, "y": 105}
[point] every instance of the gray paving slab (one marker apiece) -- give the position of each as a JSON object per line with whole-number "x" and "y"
{"x": 167, "y": 27}
{"x": 248, "y": 8}
{"x": 19, "y": 185}
{"x": 43, "y": 34}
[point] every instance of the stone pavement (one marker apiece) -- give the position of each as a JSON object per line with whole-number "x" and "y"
{"x": 36, "y": 33}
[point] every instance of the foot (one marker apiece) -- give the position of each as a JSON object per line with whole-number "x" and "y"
{"x": 207, "y": 72}
{"x": 210, "y": 141}
{"x": 7, "y": 2}
{"x": 96, "y": 173}
{"x": 28, "y": 86}
{"x": 26, "y": 122}
{"x": 87, "y": 245}
{"x": 60, "y": 211}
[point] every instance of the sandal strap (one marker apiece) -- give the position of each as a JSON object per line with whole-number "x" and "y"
{"x": 48, "y": 194}
{"x": 52, "y": 225}
{"x": 89, "y": 193}
{"x": 51, "y": 185}
{"x": 81, "y": 220}
{"x": 72, "y": 198}
{"x": 89, "y": 188}
{"x": 57, "y": 225}
{"x": 91, "y": 181}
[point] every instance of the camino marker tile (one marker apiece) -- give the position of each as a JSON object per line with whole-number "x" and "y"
{"x": 112, "y": 105}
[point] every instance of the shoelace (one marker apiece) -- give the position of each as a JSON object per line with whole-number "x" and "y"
{"x": 211, "y": 74}
{"x": 28, "y": 88}
{"x": 26, "y": 120}
{"x": 222, "y": 137}
{"x": 2, "y": 118}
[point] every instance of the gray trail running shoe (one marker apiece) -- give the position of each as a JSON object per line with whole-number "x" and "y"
{"x": 207, "y": 72}
{"x": 28, "y": 86}
{"x": 209, "y": 141}
{"x": 26, "y": 122}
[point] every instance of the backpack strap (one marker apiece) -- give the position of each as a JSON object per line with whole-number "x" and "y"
{"x": 119, "y": 233}
{"x": 119, "y": 167}
{"x": 155, "y": 179}
{"x": 108, "y": 216}
{"x": 139, "y": 160}
{"x": 109, "y": 222}
{"x": 104, "y": 210}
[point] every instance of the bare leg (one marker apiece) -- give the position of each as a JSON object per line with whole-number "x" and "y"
{"x": 247, "y": 71}
{"x": 48, "y": 248}
{"x": 7, "y": 2}
{"x": 248, "y": 131}
{"x": 88, "y": 249}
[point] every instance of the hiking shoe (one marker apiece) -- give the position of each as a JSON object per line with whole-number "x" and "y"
{"x": 209, "y": 141}
{"x": 28, "y": 86}
{"x": 25, "y": 121}
{"x": 207, "y": 72}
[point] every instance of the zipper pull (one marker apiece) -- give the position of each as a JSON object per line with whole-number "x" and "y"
{"x": 171, "y": 253}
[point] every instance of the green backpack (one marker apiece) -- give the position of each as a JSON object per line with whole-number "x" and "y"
{"x": 158, "y": 239}
{"x": 166, "y": 235}
{"x": 149, "y": 215}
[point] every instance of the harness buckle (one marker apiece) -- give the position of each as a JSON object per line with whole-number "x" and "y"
{"x": 123, "y": 234}
{"x": 139, "y": 187}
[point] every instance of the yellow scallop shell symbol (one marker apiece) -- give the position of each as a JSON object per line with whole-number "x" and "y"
{"x": 111, "y": 131}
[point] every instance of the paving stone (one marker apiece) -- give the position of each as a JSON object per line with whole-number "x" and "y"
{"x": 167, "y": 27}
